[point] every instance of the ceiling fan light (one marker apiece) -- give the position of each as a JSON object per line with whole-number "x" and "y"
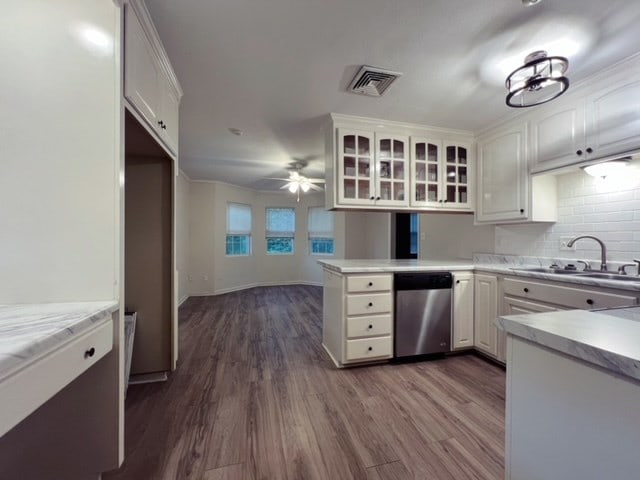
{"x": 305, "y": 187}
{"x": 293, "y": 187}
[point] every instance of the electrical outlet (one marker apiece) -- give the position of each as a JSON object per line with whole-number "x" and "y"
{"x": 563, "y": 245}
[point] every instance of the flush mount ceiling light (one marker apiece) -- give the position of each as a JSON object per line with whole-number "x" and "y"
{"x": 606, "y": 169}
{"x": 538, "y": 81}
{"x": 528, "y": 3}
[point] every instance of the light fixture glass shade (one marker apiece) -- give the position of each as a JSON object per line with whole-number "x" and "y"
{"x": 293, "y": 187}
{"x": 305, "y": 186}
{"x": 606, "y": 169}
{"x": 538, "y": 81}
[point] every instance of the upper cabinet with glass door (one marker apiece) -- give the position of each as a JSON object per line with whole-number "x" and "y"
{"x": 440, "y": 175}
{"x": 392, "y": 170}
{"x": 379, "y": 165}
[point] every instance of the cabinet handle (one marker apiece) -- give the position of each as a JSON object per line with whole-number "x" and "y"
{"x": 370, "y": 349}
{"x": 522, "y": 210}
{"x": 160, "y": 122}
{"x": 164, "y": 126}
{"x": 90, "y": 353}
{"x": 579, "y": 152}
{"x": 589, "y": 150}
{"x": 526, "y": 290}
{"x": 589, "y": 301}
{"x": 371, "y": 304}
{"x": 370, "y": 327}
{"x": 371, "y": 284}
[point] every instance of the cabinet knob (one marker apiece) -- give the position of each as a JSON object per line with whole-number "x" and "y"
{"x": 522, "y": 210}
{"x": 377, "y": 198}
{"x": 440, "y": 201}
{"x": 457, "y": 281}
{"x": 445, "y": 201}
{"x": 371, "y": 284}
{"x": 370, "y": 348}
{"x": 589, "y": 301}
{"x": 589, "y": 150}
{"x": 579, "y": 152}
{"x": 526, "y": 290}
{"x": 372, "y": 198}
{"x": 164, "y": 126}
{"x": 370, "y": 327}
{"x": 90, "y": 353}
{"x": 160, "y": 122}
{"x": 371, "y": 304}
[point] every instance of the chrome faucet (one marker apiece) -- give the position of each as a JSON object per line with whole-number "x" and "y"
{"x": 603, "y": 249}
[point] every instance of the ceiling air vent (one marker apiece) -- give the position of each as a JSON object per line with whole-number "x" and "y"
{"x": 372, "y": 81}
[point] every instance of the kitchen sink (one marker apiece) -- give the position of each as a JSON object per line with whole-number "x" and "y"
{"x": 609, "y": 276}
{"x": 559, "y": 271}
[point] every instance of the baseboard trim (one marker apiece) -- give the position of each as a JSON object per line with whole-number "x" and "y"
{"x": 333, "y": 359}
{"x": 238, "y": 288}
{"x": 148, "y": 378}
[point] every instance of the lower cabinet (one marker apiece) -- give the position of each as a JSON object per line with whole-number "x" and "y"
{"x": 357, "y": 317}
{"x": 463, "y": 310}
{"x": 486, "y": 312}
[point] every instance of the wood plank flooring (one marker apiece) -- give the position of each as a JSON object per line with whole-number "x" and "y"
{"x": 256, "y": 397}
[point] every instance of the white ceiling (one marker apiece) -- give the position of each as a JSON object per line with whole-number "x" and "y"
{"x": 276, "y": 68}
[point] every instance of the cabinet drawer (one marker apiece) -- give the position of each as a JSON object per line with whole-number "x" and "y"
{"x": 369, "y": 348}
{"x": 27, "y": 389}
{"x": 368, "y": 283}
{"x": 566, "y": 296}
{"x": 366, "y": 304}
{"x": 369, "y": 326}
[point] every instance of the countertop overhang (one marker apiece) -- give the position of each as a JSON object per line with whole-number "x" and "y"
{"x": 609, "y": 338}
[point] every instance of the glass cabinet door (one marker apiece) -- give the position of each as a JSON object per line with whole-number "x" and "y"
{"x": 457, "y": 193}
{"x": 426, "y": 172}
{"x": 392, "y": 160}
{"x": 355, "y": 167}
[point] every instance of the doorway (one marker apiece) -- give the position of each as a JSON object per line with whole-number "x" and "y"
{"x": 407, "y": 226}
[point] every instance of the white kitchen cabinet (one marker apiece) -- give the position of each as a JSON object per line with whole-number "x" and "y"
{"x": 440, "y": 174}
{"x": 391, "y": 166}
{"x": 463, "y": 310}
{"x": 357, "y": 317}
{"x": 486, "y": 311}
{"x": 372, "y": 176}
{"x": 506, "y": 191}
{"x": 598, "y": 121}
{"x": 150, "y": 86}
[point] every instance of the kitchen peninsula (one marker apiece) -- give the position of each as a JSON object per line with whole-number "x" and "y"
{"x": 573, "y": 394}
{"x": 359, "y": 296}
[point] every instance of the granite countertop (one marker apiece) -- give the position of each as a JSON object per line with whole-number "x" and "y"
{"x": 493, "y": 265}
{"x": 607, "y": 338}
{"x": 31, "y": 330}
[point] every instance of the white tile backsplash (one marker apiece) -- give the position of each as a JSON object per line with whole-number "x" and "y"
{"x": 607, "y": 209}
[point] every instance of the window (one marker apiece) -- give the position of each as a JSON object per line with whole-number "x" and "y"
{"x": 280, "y": 230}
{"x": 413, "y": 231}
{"x": 238, "y": 229}
{"x": 320, "y": 231}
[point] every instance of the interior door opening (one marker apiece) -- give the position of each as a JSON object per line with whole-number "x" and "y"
{"x": 407, "y": 226}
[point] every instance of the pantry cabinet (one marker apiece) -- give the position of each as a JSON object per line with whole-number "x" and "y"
{"x": 405, "y": 167}
{"x": 150, "y": 85}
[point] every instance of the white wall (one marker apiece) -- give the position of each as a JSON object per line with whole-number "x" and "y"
{"x": 211, "y": 271}
{"x": 453, "y": 236}
{"x": 609, "y": 210}
{"x": 182, "y": 235}
{"x": 367, "y": 235}
{"x": 60, "y": 154}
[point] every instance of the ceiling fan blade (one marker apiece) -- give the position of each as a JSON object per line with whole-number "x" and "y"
{"x": 316, "y": 180}
{"x": 286, "y": 185}
{"x": 316, "y": 187}
{"x": 274, "y": 178}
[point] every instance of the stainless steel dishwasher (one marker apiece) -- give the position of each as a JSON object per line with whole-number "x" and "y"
{"x": 422, "y": 313}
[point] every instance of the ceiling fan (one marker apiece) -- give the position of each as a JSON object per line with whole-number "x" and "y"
{"x": 298, "y": 182}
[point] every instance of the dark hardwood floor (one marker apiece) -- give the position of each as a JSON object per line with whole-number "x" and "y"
{"x": 256, "y": 397}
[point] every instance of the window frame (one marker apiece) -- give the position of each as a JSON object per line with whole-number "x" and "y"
{"x": 239, "y": 232}
{"x": 320, "y": 235}
{"x": 277, "y": 234}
